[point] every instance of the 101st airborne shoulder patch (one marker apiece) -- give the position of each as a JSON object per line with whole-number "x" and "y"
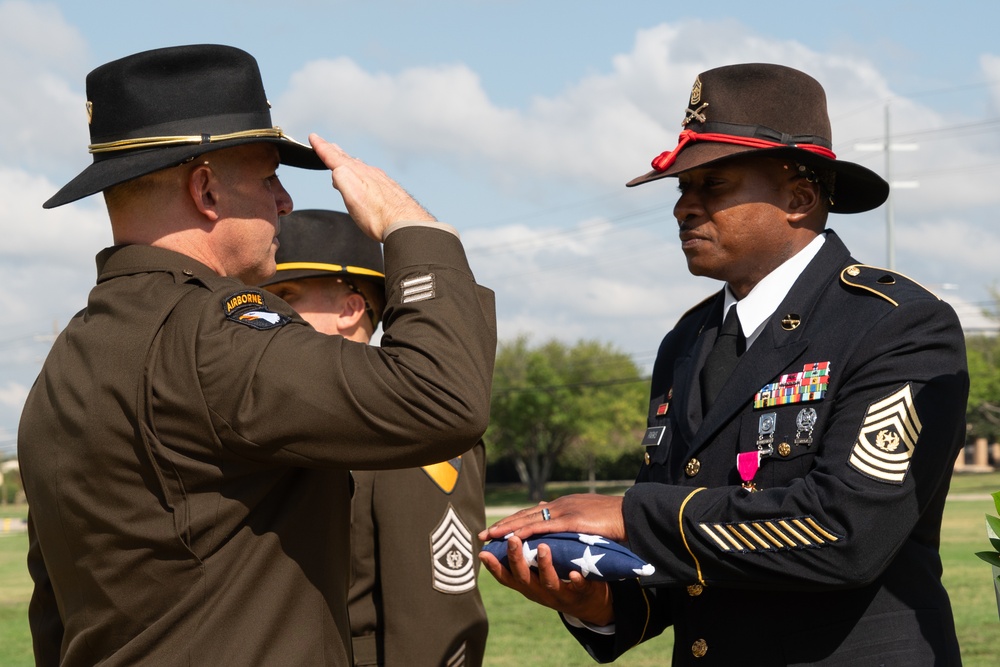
{"x": 451, "y": 555}
{"x": 887, "y": 438}
{"x": 247, "y": 307}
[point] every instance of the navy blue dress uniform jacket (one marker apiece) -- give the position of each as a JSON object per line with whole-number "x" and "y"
{"x": 833, "y": 560}
{"x": 186, "y": 453}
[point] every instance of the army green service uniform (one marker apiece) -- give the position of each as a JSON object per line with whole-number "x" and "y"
{"x": 197, "y": 434}
{"x": 414, "y": 598}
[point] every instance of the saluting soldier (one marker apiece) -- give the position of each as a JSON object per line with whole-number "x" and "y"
{"x": 413, "y": 597}
{"x": 186, "y": 450}
{"x": 803, "y": 421}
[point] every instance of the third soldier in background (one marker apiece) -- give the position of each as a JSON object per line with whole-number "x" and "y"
{"x": 413, "y": 597}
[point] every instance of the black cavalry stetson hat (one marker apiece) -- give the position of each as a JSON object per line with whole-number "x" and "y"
{"x": 314, "y": 243}
{"x": 768, "y": 110}
{"x": 161, "y": 108}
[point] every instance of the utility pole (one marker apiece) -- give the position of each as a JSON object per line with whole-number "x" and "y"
{"x": 887, "y": 147}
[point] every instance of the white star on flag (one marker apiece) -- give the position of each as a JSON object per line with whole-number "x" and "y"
{"x": 530, "y": 555}
{"x": 592, "y": 539}
{"x": 588, "y": 563}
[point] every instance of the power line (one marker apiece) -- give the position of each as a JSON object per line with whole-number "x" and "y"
{"x": 598, "y": 228}
{"x": 939, "y": 133}
{"x": 591, "y": 202}
{"x": 866, "y": 108}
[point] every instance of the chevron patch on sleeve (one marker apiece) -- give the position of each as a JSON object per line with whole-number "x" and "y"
{"x": 452, "y": 561}
{"x": 887, "y": 438}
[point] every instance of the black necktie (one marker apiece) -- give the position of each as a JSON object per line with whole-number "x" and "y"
{"x": 722, "y": 359}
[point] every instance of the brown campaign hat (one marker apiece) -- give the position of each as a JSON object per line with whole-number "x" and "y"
{"x": 768, "y": 110}
{"x": 161, "y": 108}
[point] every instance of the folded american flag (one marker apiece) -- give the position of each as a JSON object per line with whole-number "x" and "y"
{"x": 591, "y": 555}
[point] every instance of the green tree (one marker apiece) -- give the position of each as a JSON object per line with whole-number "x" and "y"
{"x": 983, "y": 351}
{"x": 983, "y": 413}
{"x": 554, "y": 401}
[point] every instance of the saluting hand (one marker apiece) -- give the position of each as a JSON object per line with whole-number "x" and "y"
{"x": 374, "y": 200}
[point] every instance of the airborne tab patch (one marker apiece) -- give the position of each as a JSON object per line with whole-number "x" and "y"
{"x": 887, "y": 438}
{"x": 247, "y": 307}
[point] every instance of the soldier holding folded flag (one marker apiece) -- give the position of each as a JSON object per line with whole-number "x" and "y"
{"x": 803, "y": 421}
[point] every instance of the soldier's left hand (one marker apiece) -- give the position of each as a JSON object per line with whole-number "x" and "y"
{"x": 589, "y": 513}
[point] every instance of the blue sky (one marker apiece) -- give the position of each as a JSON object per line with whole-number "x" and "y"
{"x": 519, "y": 123}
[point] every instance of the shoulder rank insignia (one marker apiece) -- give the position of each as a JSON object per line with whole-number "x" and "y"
{"x": 887, "y": 438}
{"x": 808, "y": 385}
{"x": 247, "y": 307}
{"x": 445, "y": 474}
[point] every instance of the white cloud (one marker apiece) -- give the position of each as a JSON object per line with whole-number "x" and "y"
{"x": 42, "y": 107}
{"x": 951, "y": 243}
{"x": 12, "y": 394}
{"x": 570, "y": 281}
{"x": 990, "y": 65}
{"x": 606, "y": 127}
{"x": 612, "y": 271}
{"x": 47, "y": 260}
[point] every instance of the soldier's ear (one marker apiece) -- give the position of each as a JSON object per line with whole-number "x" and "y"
{"x": 202, "y": 186}
{"x": 804, "y": 198}
{"x": 352, "y": 311}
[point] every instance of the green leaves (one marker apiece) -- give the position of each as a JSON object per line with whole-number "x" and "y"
{"x": 558, "y": 403}
{"x": 993, "y": 557}
{"x": 993, "y": 533}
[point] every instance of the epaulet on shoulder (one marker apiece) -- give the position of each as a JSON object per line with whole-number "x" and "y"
{"x": 699, "y": 306}
{"x": 212, "y": 283}
{"x": 892, "y": 286}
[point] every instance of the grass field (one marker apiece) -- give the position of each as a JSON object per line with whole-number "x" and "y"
{"x": 525, "y": 635}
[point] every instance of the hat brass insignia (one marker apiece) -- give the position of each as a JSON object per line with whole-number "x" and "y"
{"x": 696, "y": 91}
{"x": 90, "y": 112}
{"x": 695, "y": 115}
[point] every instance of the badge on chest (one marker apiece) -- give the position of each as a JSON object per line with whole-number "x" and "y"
{"x": 776, "y": 434}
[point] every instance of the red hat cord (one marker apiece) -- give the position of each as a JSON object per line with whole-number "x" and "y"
{"x": 663, "y": 161}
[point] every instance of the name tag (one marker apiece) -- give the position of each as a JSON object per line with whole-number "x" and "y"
{"x": 653, "y": 436}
